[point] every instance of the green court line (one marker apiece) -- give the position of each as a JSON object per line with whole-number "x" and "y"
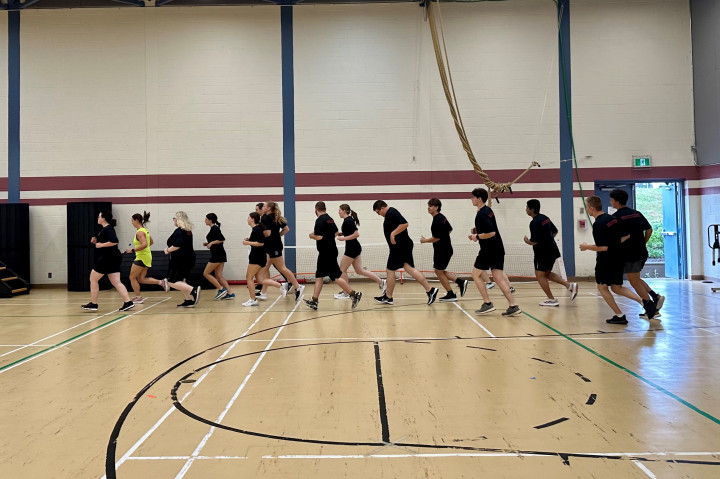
{"x": 632, "y": 373}
{"x": 63, "y": 342}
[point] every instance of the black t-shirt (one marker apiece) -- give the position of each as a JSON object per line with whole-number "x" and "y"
{"x": 257, "y": 236}
{"x": 633, "y": 223}
{"x": 183, "y": 240}
{"x": 485, "y": 223}
{"x": 393, "y": 219}
{"x": 441, "y": 229}
{"x": 348, "y": 228}
{"x": 274, "y": 241}
{"x": 542, "y": 232}
{"x": 325, "y": 226}
{"x": 107, "y": 235}
{"x": 606, "y": 233}
{"x": 215, "y": 235}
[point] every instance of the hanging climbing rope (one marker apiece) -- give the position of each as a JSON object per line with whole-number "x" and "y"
{"x": 443, "y": 63}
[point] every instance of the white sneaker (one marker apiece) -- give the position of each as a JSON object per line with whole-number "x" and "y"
{"x": 284, "y": 289}
{"x": 383, "y": 286}
{"x": 298, "y": 292}
{"x": 550, "y": 302}
{"x": 573, "y": 291}
{"x": 250, "y": 302}
{"x": 341, "y": 295}
{"x": 262, "y": 296}
{"x": 490, "y": 285}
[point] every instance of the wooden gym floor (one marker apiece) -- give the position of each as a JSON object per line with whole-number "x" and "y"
{"x": 402, "y": 392}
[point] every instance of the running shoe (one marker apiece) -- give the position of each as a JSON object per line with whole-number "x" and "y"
{"x": 463, "y": 285}
{"x": 221, "y": 293}
{"x": 310, "y": 303}
{"x": 512, "y": 289}
{"x": 645, "y": 316}
{"x": 229, "y": 296}
{"x": 356, "y": 299}
{"x": 188, "y": 303}
{"x": 660, "y": 301}
{"x": 195, "y": 293}
{"x": 341, "y": 295}
{"x": 262, "y": 296}
{"x": 449, "y": 297}
{"x": 512, "y": 311}
{"x": 485, "y": 308}
{"x": 432, "y": 294}
{"x": 90, "y": 307}
{"x": 250, "y": 302}
{"x": 164, "y": 285}
{"x": 573, "y": 291}
{"x": 617, "y": 320}
{"x": 298, "y": 292}
{"x": 138, "y": 300}
{"x": 490, "y": 285}
{"x": 550, "y": 302}
{"x": 384, "y": 300}
{"x": 284, "y": 288}
{"x": 127, "y": 306}
{"x": 383, "y": 286}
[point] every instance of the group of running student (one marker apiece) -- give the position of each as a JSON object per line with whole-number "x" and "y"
{"x": 620, "y": 243}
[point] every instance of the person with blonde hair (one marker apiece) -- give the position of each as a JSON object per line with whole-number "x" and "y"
{"x": 275, "y": 228}
{"x": 182, "y": 260}
{"x": 143, "y": 257}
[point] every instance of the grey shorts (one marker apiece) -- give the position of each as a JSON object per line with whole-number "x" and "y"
{"x": 634, "y": 266}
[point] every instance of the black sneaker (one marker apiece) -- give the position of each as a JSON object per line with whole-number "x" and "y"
{"x": 650, "y": 308}
{"x": 195, "y": 293}
{"x": 311, "y": 303}
{"x": 258, "y": 288}
{"x": 356, "y": 299}
{"x": 512, "y": 311}
{"x": 90, "y": 307}
{"x": 512, "y": 289}
{"x": 449, "y": 297}
{"x": 126, "y": 306}
{"x": 617, "y": 320}
{"x": 432, "y": 294}
{"x": 188, "y": 303}
{"x": 485, "y": 308}
{"x": 384, "y": 300}
{"x": 463, "y": 285}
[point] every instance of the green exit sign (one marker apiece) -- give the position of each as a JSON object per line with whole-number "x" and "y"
{"x": 642, "y": 161}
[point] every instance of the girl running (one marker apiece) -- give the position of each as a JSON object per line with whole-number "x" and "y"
{"x": 257, "y": 259}
{"x": 349, "y": 234}
{"x": 143, "y": 257}
{"x": 275, "y": 228}
{"x": 218, "y": 258}
{"x": 182, "y": 260}
{"x": 107, "y": 262}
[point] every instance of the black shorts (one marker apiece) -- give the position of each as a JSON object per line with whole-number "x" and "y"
{"x": 327, "y": 266}
{"x": 258, "y": 259}
{"x": 108, "y": 264}
{"x": 488, "y": 260}
{"x": 609, "y": 273}
{"x": 218, "y": 257}
{"x": 634, "y": 266}
{"x": 399, "y": 256}
{"x": 274, "y": 252}
{"x": 544, "y": 264}
{"x": 441, "y": 259}
{"x": 352, "y": 250}
{"x": 138, "y": 262}
{"x": 179, "y": 269}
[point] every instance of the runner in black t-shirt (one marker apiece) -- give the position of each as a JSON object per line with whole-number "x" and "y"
{"x": 443, "y": 251}
{"x": 635, "y": 231}
{"x": 275, "y": 228}
{"x": 324, "y": 233}
{"x": 400, "y": 257}
{"x": 218, "y": 258}
{"x": 491, "y": 255}
{"x": 542, "y": 239}
{"x": 609, "y": 264}
{"x": 182, "y": 260}
{"x": 107, "y": 262}
{"x": 257, "y": 260}
{"x": 349, "y": 234}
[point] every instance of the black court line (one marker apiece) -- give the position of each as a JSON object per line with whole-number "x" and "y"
{"x": 587, "y": 380}
{"x": 381, "y": 396}
{"x": 542, "y": 361}
{"x": 478, "y": 347}
{"x": 552, "y": 423}
{"x": 591, "y": 399}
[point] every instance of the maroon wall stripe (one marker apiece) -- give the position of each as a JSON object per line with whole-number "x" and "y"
{"x": 3, "y": 184}
{"x": 132, "y": 182}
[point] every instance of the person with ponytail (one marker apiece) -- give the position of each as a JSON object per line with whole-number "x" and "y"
{"x": 218, "y": 258}
{"x": 107, "y": 262}
{"x": 349, "y": 234}
{"x": 143, "y": 257}
{"x": 182, "y": 260}
{"x": 257, "y": 260}
{"x": 275, "y": 228}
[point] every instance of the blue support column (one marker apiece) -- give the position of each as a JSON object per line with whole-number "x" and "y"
{"x": 288, "y": 108}
{"x": 566, "y": 148}
{"x": 14, "y": 107}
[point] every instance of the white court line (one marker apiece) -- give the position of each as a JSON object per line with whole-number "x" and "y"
{"x": 644, "y": 469}
{"x": 474, "y": 320}
{"x": 25, "y": 345}
{"x": 149, "y": 432}
{"x": 481, "y": 454}
{"x": 183, "y": 458}
{"x": 207, "y": 437}
{"x": 31, "y": 358}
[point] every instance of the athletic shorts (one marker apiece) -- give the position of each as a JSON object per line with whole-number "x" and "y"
{"x": 108, "y": 264}
{"x": 609, "y": 273}
{"x": 258, "y": 259}
{"x": 180, "y": 269}
{"x": 327, "y": 266}
{"x": 274, "y": 252}
{"x": 634, "y": 266}
{"x": 486, "y": 260}
{"x": 543, "y": 264}
{"x": 441, "y": 259}
{"x": 352, "y": 250}
{"x": 218, "y": 257}
{"x": 139, "y": 262}
{"x": 399, "y": 256}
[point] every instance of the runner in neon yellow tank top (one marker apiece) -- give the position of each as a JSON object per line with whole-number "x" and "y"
{"x": 143, "y": 257}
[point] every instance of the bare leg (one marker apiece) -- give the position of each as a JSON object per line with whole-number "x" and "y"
{"x": 252, "y": 270}
{"x": 264, "y": 280}
{"x": 318, "y": 289}
{"x": 94, "y": 286}
{"x": 183, "y": 287}
{"x": 115, "y": 280}
{"x": 542, "y": 279}
{"x": 418, "y": 276}
{"x": 556, "y": 278}
{"x": 627, "y": 292}
{"x": 209, "y": 268}
{"x": 135, "y": 272}
{"x": 609, "y": 299}
{"x": 279, "y": 263}
{"x": 442, "y": 276}
{"x": 143, "y": 280}
{"x": 220, "y": 278}
{"x": 477, "y": 276}
{"x": 501, "y": 280}
{"x": 390, "y": 283}
{"x": 639, "y": 285}
{"x": 358, "y": 267}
